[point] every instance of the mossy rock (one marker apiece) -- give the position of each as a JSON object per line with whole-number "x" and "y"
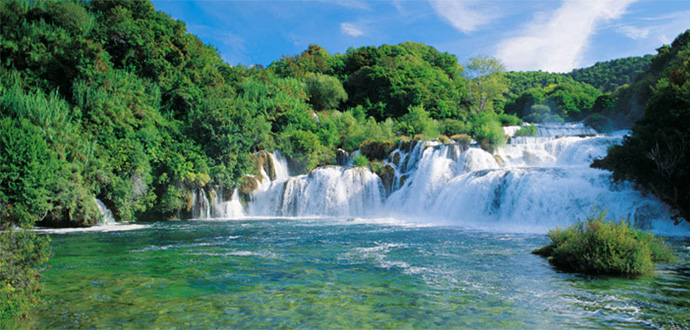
{"x": 377, "y": 150}
{"x": 387, "y": 175}
{"x": 248, "y": 186}
{"x": 265, "y": 161}
{"x": 396, "y": 159}
{"x": 403, "y": 179}
{"x": 444, "y": 139}
{"x": 462, "y": 139}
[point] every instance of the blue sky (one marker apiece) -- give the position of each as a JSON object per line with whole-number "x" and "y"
{"x": 555, "y": 35}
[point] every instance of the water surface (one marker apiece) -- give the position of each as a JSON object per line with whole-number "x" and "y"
{"x": 317, "y": 274}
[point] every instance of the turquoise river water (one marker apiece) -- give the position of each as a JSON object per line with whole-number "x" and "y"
{"x": 334, "y": 274}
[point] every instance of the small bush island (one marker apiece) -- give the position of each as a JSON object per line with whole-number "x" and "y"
{"x": 600, "y": 246}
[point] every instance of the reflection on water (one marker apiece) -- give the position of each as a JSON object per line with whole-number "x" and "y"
{"x": 340, "y": 274}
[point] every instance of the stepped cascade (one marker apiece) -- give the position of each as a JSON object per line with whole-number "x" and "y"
{"x": 532, "y": 183}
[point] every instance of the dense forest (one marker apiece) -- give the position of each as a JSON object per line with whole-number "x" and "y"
{"x": 114, "y": 101}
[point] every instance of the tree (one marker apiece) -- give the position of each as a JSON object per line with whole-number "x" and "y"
{"x": 486, "y": 82}
{"x": 325, "y": 92}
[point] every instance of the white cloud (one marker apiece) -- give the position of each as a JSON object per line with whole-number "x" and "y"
{"x": 557, "y": 42}
{"x": 351, "y": 29}
{"x": 633, "y": 32}
{"x": 464, "y": 15}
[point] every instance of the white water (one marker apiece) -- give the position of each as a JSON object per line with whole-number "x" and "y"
{"x": 532, "y": 184}
{"x": 230, "y": 209}
{"x": 106, "y": 215}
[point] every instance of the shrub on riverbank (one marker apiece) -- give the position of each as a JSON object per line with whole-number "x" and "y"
{"x": 21, "y": 255}
{"x": 601, "y": 246}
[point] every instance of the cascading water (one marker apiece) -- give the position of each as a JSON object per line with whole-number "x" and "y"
{"x": 227, "y": 209}
{"x": 201, "y": 207}
{"x": 533, "y": 183}
{"x": 106, "y": 215}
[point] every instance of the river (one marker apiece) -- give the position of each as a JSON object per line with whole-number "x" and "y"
{"x": 340, "y": 273}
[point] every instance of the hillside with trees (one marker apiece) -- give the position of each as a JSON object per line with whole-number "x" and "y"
{"x": 608, "y": 76}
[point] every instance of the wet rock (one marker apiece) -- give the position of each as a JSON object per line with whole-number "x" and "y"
{"x": 341, "y": 157}
{"x": 247, "y": 187}
{"x": 387, "y": 175}
{"x": 396, "y": 158}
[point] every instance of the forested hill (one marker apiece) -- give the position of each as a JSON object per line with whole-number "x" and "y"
{"x": 609, "y": 75}
{"x": 115, "y": 101}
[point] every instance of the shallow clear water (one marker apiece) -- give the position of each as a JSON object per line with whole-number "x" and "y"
{"x": 324, "y": 274}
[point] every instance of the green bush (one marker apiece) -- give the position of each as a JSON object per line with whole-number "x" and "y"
{"x": 453, "y": 126}
{"x": 530, "y": 130}
{"x": 487, "y": 130}
{"x": 600, "y": 246}
{"x": 21, "y": 255}
{"x": 417, "y": 121}
{"x": 360, "y": 160}
{"x": 509, "y": 120}
{"x": 325, "y": 92}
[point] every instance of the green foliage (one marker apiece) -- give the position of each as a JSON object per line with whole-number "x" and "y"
{"x": 657, "y": 155}
{"x": 21, "y": 255}
{"x": 27, "y": 172}
{"x": 487, "y": 130}
{"x": 541, "y": 113}
{"x": 608, "y": 76}
{"x": 360, "y": 160}
{"x": 417, "y": 121}
{"x": 600, "y": 246}
{"x": 486, "y": 83}
{"x": 325, "y": 92}
{"x": 453, "y": 126}
{"x": 509, "y": 120}
{"x": 529, "y": 130}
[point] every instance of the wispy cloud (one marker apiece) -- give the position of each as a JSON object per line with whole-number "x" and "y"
{"x": 351, "y": 29}
{"x": 557, "y": 41}
{"x": 464, "y": 15}
{"x": 662, "y": 28}
{"x": 633, "y": 32}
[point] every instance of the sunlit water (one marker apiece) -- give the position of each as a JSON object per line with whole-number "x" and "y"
{"x": 331, "y": 274}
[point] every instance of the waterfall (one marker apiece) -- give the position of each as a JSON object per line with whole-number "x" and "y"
{"x": 201, "y": 207}
{"x": 106, "y": 215}
{"x": 533, "y": 183}
{"x": 227, "y": 209}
